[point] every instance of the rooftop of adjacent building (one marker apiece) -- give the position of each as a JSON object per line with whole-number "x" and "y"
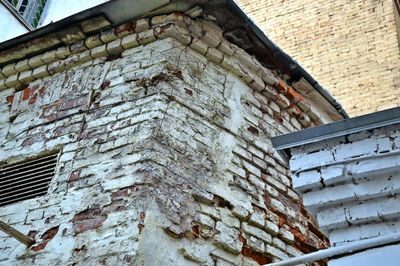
{"x": 284, "y": 143}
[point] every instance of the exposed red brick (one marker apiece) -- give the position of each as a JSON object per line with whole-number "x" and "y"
{"x": 171, "y": 98}
{"x": 74, "y": 175}
{"x": 103, "y": 261}
{"x": 246, "y": 251}
{"x": 10, "y": 99}
{"x": 188, "y": 92}
{"x": 128, "y": 27}
{"x": 85, "y": 225}
{"x": 66, "y": 104}
{"x": 195, "y": 230}
{"x": 180, "y": 16}
{"x": 105, "y": 84}
{"x": 49, "y": 117}
{"x": 46, "y": 237}
{"x": 277, "y": 118}
{"x": 39, "y": 247}
{"x": 305, "y": 247}
{"x": 49, "y": 234}
{"x": 34, "y": 89}
{"x": 178, "y": 74}
{"x": 265, "y": 176}
{"x": 253, "y": 130}
{"x": 260, "y": 258}
{"x": 281, "y": 221}
{"x": 90, "y": 219}
{"x": 142, "y": 215}
{"x": 128, "y": 258}
{"x": 32, "y": 100}
{"x": 120, "y": 194}
{"x": 140, "y": 226}
{"x": 42, "y": 89}
{"x": 264, "y": 109}
{"x": 25, "y": 94}
{"x": 280, "y": 86}
{"x": 256, "y": 256}
{"x": 242, "y": 239}
{"x": 293, "y": 95}
{"x": 298, "y": 235}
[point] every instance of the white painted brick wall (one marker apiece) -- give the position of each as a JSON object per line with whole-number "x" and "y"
{"x": 310, "y": 160}
{"x": 359, "y": 196}
{"x": 161, "y": 145}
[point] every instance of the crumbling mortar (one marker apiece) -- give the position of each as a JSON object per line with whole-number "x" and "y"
{"x": 159, "y": 134}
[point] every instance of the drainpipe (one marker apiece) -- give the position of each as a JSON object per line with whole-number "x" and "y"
{"x": 340, "y": 250}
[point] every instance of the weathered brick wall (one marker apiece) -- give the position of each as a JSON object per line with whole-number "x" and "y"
{"x": 350, "y": 47}
{"x": 165, "y": 157}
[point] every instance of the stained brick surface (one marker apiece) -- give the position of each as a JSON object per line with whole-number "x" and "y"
{"x": 162, "y": 150}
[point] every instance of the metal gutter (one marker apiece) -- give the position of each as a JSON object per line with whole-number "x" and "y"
{"x": 289, "y": 62}
{"x": 340, "y": 250}
{"x": 283, "y": 143}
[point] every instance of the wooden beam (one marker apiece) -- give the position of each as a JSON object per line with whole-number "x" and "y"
{"x": 16, "y": 234}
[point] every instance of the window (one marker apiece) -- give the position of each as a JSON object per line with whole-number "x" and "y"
{"x": 30, "y": 10}
{"x": 26, "y": 180}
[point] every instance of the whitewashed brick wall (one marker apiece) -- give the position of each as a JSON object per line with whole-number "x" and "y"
{"x": 163, "y": 129}
{"x": 352, "y": 184}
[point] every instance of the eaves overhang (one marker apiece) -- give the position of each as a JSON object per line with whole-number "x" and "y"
{"x": 284, "y": 143}
{"x": 227, "y": 13}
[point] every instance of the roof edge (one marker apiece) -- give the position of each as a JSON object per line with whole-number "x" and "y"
{"x": 284, "y": 143}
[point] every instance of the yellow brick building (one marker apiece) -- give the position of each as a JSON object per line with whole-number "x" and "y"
{"x": 351, "y": 47}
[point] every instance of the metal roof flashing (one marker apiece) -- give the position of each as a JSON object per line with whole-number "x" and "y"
{"x": 254, "y": 40}
{"x": 282, "y": 144}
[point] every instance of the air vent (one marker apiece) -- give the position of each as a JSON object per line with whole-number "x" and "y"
{"x": 26, "y": 180}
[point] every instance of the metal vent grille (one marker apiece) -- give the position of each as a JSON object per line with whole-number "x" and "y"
{"x": 26, "y": 180}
